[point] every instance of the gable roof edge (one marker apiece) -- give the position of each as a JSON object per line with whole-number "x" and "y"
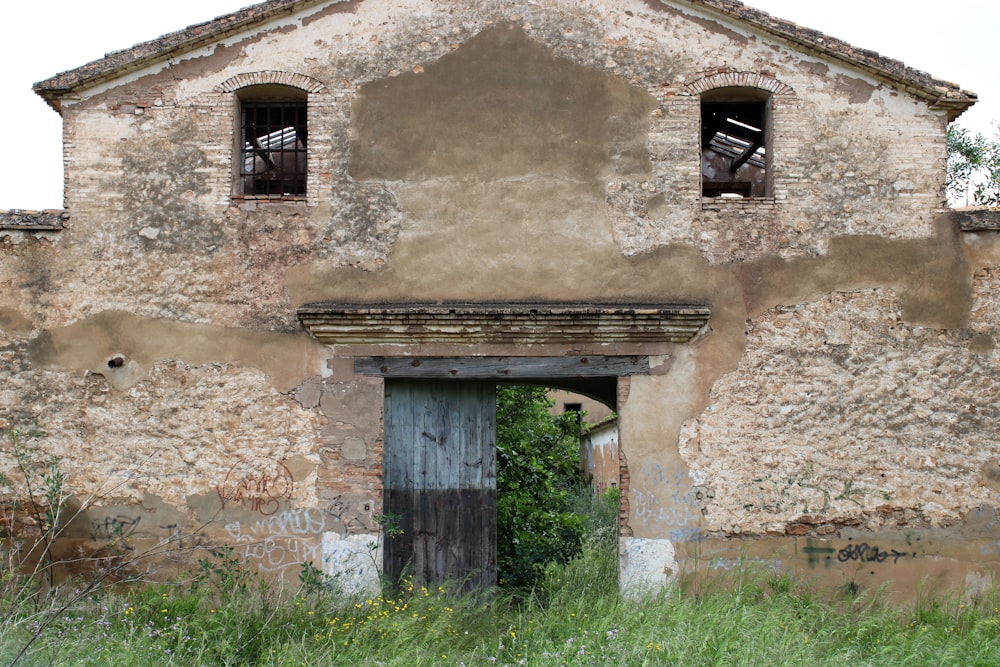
{"x": 118, "y": 63}
{"x": 942, "y": 95}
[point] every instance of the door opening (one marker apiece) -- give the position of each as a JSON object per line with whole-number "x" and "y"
{"x": 482, "y": 483}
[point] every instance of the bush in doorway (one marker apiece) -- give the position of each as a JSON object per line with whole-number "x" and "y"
{"x": 538, "y": 475}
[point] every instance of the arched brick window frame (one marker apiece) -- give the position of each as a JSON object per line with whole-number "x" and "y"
{"x": 736, "y": 132}
{"x": 735, "y": 79}
{"x": 270, "y": 156}
{"x": 304, "y": 83}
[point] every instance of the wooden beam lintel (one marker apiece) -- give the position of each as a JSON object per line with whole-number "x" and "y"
{"x": 502, "y": 368}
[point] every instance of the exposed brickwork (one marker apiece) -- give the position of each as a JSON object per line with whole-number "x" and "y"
{"x": 624, "y": 476}
{"x": 625, "y": 483}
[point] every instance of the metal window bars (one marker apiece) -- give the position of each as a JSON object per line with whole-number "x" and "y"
{"x": 274, "y": 140}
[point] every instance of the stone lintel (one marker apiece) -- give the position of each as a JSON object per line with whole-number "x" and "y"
{"x": 978, "y": 219}
{"x": 512, "y": 368}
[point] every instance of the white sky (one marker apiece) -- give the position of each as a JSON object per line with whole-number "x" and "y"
{"x": 952, "y": 42}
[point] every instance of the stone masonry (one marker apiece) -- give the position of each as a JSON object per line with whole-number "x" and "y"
{"x": 842, "y": 393}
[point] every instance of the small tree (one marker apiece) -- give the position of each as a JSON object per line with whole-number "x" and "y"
{"x": 33, "y": 514}
{"x": 538, "y": 473}
{"x": 973, "y": 167}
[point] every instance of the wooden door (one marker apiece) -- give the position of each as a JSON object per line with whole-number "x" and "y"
{"x": 440, "y": 481}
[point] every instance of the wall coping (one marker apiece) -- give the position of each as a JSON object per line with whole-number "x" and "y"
{"x": 49, "y": 220}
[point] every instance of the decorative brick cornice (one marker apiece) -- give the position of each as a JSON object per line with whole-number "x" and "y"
{"x": 734, "y": 79}
{"x": 501, "y": 323}
{"x": 300, "y": 81}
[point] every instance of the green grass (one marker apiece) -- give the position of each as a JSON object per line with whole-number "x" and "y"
{"x": 576, "y": 617}
{"x": 224, "y": 615}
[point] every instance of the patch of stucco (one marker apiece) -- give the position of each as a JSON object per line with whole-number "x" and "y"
{"x": 858, "y": 90}
{"x": 501, "y": 106}
{"x": 13, "y": 323}
{"x": 932, "y": 275}
{"x": 161, "y": 181}
{"x": 288, "y": 359}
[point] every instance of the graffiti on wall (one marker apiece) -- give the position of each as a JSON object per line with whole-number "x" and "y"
{"x": 869, "y": 553}
{"x": 122, "y": 545}
{"x": 354, "y": 560}
{"x": 257, "y": 485}
{"x": 730, "y": 564}
{"x": 356, "y": 517}
{"x": 113, "y": 527}
{"x": 281, "y": 540}
{"x": 178, "y": 540}
{"x": 821, "y": 552}
{"x": 257, "y": 521}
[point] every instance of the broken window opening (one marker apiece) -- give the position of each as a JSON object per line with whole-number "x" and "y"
{"x": 272, "y": 149}
{"x": 734, "y": 143}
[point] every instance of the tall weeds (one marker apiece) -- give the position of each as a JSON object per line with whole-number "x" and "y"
{"x": 224, "y": 614}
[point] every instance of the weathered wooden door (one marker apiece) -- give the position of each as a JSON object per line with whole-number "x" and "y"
{"x": 440, "y": 481}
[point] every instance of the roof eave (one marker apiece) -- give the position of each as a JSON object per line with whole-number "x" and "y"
{"x": 942, "y": 95}
{"x": 118, "y": 63}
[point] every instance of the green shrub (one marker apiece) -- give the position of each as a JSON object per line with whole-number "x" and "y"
{"x": 538, "y": 474}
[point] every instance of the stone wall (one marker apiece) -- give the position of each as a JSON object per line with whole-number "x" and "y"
{"x": 504, "y": 151}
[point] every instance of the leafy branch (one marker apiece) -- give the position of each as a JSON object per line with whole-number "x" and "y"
{"x": 973, "y": 173}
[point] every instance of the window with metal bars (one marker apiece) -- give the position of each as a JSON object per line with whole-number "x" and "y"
{"x": 273, "y": 148}
{"x": 734, "y": 151}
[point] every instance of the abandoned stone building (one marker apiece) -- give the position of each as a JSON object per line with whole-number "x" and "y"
{"x": 303, "y": 242}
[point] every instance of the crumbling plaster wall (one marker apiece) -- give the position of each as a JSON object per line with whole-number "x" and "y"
{"x": 841, "y": 411}
{"x": 150, "y": 160}
{"x": 578, "y": 181}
